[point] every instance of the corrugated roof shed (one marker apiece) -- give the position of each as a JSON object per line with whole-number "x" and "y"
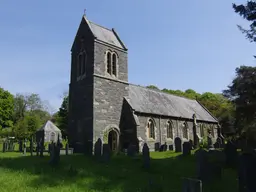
{"x": 146, "y": 100}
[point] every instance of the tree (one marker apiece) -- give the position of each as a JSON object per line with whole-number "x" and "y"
{"x": 62, "y": 116}
{"x": 242, "y": 92}
{"x": 6, "y": 108}
{"x": 248, "y": 12}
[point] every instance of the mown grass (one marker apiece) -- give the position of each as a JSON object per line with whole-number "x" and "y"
{"x": 122, "y": 174}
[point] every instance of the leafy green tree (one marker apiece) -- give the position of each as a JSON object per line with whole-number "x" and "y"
{"x": 242, "y": 92}
{"x": 248, "y": 12}
{"x": 6, "y": 108}
{"x": 62, "y": 116}
{"x": 153, "y": 87}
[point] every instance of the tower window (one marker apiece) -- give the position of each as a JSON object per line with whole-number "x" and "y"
{"x": 151, "y": 129}
{"x": 114, "y": 63}
{"x": 109, "y": 63}
{"x": 201, "y": 130}
{"x": 82, "y": 59}
{"x": 169, "y": 130}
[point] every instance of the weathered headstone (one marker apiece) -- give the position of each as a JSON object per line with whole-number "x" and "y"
{"x": 98, "y": 149}
{"x": 201, "y": 164}
{"x": 170, "y": 147}
{"x": 146, "y": 156}
{"x": 247, "y": 172}
{"x": 178, "y": 145}
{"x": 25, "y": 147}
{"x": 67, "y": 148}
{"x": 106, "y": 153}
{"x": 37, "y": 148}
{"x": 191, "y": 185}
{"x": 131, "y": 150}
{"x": 20, "y": 146}
{"x": 209, "y": 141}
{"x": 186, "y": 148}
{"x": 231, "y": 154}
{"x": 215, "y": 163}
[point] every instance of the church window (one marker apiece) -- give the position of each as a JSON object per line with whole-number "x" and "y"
{"x": 151, "y": 129}
{"x": 185, "y": 130}
{"x": 109, "y": 63}
{"x": 79, "y": 65}
{"x": 82, "y": 58}
{"x": 169, "y": 130}
{"x": 114, "y": 63}
{"x": 202, "y": 130}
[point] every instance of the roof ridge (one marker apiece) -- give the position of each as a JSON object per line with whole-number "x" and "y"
{"x": 160, "y": 91}
{"x": 100, "y": 25}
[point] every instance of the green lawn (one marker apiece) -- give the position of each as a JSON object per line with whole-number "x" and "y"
{"x": 30, "y": 174}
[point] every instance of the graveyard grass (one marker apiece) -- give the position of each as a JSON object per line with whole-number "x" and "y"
{"x": 79, "y": 173}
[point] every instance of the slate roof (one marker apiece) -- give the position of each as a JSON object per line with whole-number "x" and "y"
{"x": 49, "y": 127}
{"x": 146, "y": 100}
{"x": 106, "y": 35}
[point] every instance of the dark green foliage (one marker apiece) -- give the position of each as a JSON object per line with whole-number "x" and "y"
{"x": 242, "y": 93}
{"x": 61, "y": 117}
{"x": 6, "y": 108}
{"x": 248, "y": 12}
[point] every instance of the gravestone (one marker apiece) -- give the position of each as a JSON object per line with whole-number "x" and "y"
{"x": 163, "y": 147}
{"x": 131, "y": 150}
{"x": 215, "y": 164}
{"x": 25, "y": 147}
{"x": 4, "y": 146}
{"x": 191, "y": 185}
{"x": 20, "y": 146}
{"x": 177, "y": 143}
{"x": 98, "y": 149}
{"x": 170, "y": 147}
{"x": 186, "y": 148}
{"x": 31, "y": 147}
{"x": 106, "y": 153}
{"x": 201, "y": 164}
{"x": 209, "y": 141}
{"x": 231, "y": 154}
{"x": 157, "y": 146}
{"x": 42, "y": 145}
{"x": 37, "y": 148}
{"x": 247, "y": 172}
{"x": 146, "y": 156}
{"x": 66, "y": 148}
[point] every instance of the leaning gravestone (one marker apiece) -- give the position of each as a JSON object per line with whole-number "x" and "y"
{"x": 106, "y": 153}
{"x": 186, "y": 148}
{"x": 191, "y": 185}
{"x": 98, "y": 149}
{"x": 146, "y": 156}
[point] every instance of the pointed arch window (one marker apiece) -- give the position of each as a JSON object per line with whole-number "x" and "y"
{"x": 109, "y": 63}
{"x": 202, "y": 130}
{"x": 114, "y": 63}
{"x": 169, "y": 130}
{"x": 151, "y": 129}
{"x": 185, "y": 130}
{"x": 81, "y": 63}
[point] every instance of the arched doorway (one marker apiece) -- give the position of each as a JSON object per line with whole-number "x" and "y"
{"x": 113, "y": 140}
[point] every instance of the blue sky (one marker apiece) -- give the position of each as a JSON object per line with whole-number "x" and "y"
{"x": 172, "y": 44}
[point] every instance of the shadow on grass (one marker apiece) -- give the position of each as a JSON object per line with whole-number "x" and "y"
{"x": 122, "y": 173}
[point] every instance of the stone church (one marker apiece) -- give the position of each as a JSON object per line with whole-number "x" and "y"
{"x": 102, "y": 104}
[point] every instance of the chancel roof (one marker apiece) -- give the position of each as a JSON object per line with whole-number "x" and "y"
{"x": 145, "y": 100}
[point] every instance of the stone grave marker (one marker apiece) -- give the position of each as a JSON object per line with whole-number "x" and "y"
{"x": 191, "y": 185}
{"x": 106, "y": 153}
{"x": 66, "y": 148}
{"x": 131, "y": 150}
{"x": 209, "y": 141}
{"x": 146, "y": 156}
{"x": 231, "y": 154}
{"x": 98, "y": 149}
{"x": 201, "y": 164}
{"x": 247, "y": 172}
{"x": 186, "y": 148}
{"x": 178, "y": 145}
{"x": 4, "y": 146}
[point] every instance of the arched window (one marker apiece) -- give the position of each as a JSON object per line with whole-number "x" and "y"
{"x": 114, "y": 64}
{"x": 169, "y": 130}
{"x": 84, "y": 60}
{"x": 151, "y": 129}
{"x": 79, "y": 63}
{"x": 185, "y": 130}
{"x": 201, "y": 130}
{"x": 109, "y": 63}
